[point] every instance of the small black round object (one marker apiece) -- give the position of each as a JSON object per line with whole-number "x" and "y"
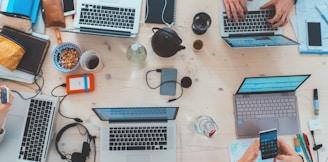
{"x": 186, "y": 82}
{"x": 317, "y": 147}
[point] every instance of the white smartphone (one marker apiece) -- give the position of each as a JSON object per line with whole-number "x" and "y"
{"x": 69, "y": 8}
{"x": 314, "y": 34}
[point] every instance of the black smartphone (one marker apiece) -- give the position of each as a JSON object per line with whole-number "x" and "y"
{"x": 269, "y": 143}
{"x": 168, "y": 81}
{"x": 314, "y": 35}
{"x": 68, "y": 6}
{"x": 4, "y": 95}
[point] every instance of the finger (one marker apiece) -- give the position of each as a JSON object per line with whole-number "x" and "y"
{"x": 234, "y": 12}
{"x": 267, "y": 5}
{"x": 228, "y": 9}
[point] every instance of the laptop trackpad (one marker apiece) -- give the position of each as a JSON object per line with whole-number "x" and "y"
{"x": 267, "y": 123}
{"x": 247, "y": 128}
{"x": 138, "y": 158}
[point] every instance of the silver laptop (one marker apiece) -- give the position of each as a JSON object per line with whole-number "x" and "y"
{"x": 29, "y": 129}
{"x": 138, "y": 134}
{"x": 107, "y": 17}
{"x": 254, "y": 31}
{"x": 263, "y": 103}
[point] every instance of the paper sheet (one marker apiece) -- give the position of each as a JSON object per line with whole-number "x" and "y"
{"x": 305, "y": 10}
{"x": 238, "y": 147}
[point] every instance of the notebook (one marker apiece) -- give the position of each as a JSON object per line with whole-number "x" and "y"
{"x": 23, "y": 142}
{"x": 263, "y": 103}
{"x": 254, "y": 31}
{"x": 111, "y": 17}
{"x": 160, "y": 11}
{"x": 36, "y": 49}
{"x": 138, "y": 127}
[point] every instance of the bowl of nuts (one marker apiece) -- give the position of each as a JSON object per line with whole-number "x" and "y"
{"x": 65, "y": 57}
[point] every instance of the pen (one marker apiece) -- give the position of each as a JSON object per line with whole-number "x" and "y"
{"x": 315, "y": 102}
{"x": 304, "y": 148}
{"x": 297, "y": 145}
{"x": 307, "y": 145}
{"x": 321, "y": 14}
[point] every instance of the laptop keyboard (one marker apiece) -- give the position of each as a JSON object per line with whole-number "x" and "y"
{"x": 255, "y": 21}
{"x": 266, "y": 107}
{"x": 35, "y": 130}
{"x": 138, "y": 138}
{"x": 104, "y": 16}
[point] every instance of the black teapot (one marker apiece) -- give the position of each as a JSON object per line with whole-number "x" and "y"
{"x": 166, "y": 42}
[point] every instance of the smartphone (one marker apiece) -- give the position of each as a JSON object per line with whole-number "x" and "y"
{"x": 269, "y": 143}
{"x": 69, "y": 8}
{"x": 314, "y": 35}
{"x": 168, "y": 81}
{"x": 4, "y": 95}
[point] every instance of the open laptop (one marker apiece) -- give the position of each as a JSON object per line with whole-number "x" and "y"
{"x": 131, "y": 131}
{"x": 29, "y": 129}
{"x": 263, "y": 103}
{"x": 254, "y": 31}
{"x": 107, "y": 17}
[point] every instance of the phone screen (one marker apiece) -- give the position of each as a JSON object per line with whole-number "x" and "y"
{"x": 68, "y": 5}
{"x": 314, "y": 34}
{"x": 268, "y": 143}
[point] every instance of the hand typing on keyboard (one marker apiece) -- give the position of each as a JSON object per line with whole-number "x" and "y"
{"x": 237, "y": 9}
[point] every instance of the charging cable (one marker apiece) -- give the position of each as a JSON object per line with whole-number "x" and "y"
{"x": 316, "y": 147}
{"x": 61, "y": 100}
{"x": 160, "y": 70}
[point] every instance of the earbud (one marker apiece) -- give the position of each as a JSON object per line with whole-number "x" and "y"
{"x": 317, "y": 147}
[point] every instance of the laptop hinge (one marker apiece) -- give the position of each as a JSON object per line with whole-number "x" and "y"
{"x": 105, "y": 32}
{"x": 251, "y": 34}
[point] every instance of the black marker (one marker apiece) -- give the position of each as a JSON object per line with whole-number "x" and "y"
{"x": 315, "y": 102}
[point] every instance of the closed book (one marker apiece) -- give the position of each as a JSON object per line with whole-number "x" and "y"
{"x": 36, "y": 50}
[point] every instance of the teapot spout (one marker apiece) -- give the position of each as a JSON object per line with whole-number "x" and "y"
{"x": 181, "y": 47}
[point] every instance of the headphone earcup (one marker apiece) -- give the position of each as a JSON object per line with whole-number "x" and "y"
{"x": 78, "y": 157}
{"x": 86, "y": 149}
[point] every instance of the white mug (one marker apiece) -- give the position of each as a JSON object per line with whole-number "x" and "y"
{"x": 91, "y": 61}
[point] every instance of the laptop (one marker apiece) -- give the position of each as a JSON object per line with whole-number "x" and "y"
{"x": 107, "y": 17}
{"x": 263, "y": 103}
{"x": 29, "y": 129}
{"x": 138, "y": 134}
{"x": 254, "y": 31}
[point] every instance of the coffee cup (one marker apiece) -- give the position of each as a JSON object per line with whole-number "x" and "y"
{"x": 91, "y": 61}
{"x": 197, "y": 45}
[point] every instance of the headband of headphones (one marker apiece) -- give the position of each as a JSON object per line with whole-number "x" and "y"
{"x": 78, "y": 157}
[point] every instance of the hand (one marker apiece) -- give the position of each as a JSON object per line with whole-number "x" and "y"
{"x": 235, "y": 8}
{"x": 286, "y": 154}
{"x": 282, "y": 10}
{"x": 252, "y": 152}
{"x": 4, "y": 108}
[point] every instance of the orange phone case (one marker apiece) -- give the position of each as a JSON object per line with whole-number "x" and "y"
{"x": 80, "y": 83}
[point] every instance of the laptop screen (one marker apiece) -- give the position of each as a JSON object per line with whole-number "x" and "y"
{"x": 271, "y": 84}
{"x": 259, "y": 41}
{"x": 136, "y": 113}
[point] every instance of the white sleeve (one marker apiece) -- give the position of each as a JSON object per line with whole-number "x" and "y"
{"x": 2, "y": 134}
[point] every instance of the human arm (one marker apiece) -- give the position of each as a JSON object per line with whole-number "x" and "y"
{"x": 252, "y": 152}
{"x": 286, "y": 154}
{"x": 282, "y": 10}
{"x": 235, "y": 8}
{"x": 4, "y": 109}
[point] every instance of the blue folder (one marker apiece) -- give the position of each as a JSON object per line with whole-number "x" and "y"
{"x": 26, "y": 7}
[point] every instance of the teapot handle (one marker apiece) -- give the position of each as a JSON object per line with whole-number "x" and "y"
{"x": 156, "y": 28}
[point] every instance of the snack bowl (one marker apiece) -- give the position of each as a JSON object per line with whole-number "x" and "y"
{"x": 66, "y": 57}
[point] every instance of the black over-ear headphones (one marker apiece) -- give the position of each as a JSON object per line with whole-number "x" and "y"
{"x": 76, "y": 156}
